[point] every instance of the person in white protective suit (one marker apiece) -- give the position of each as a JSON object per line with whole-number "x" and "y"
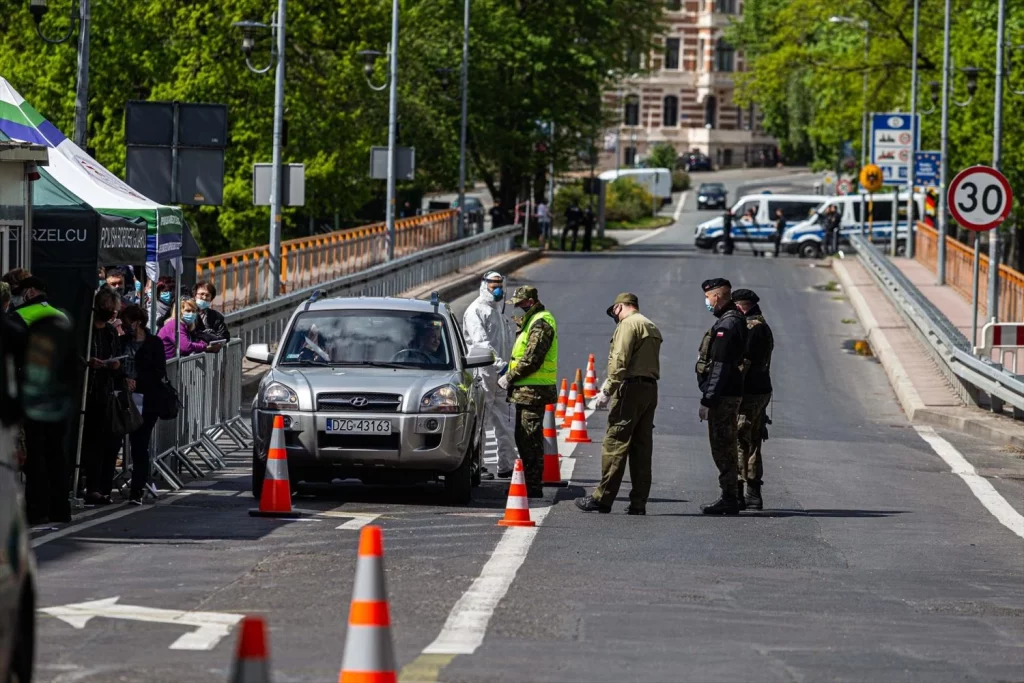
{"x": 485, "y": 325}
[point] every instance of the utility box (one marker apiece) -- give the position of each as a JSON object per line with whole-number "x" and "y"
{"x": 18, "y": 168}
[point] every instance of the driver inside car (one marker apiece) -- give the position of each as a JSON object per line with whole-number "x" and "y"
{"x": 425, "y": 347}
{"x": 313, "y": 347}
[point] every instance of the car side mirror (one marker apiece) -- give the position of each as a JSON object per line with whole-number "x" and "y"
{"x": 259, "y": 353}
{"x": 479, "y": 358}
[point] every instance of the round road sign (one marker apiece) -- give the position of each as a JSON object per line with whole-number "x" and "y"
{"x": 844, "y": 186}
{"x": 979, "y": 198}
{"x": 871, "y": 178}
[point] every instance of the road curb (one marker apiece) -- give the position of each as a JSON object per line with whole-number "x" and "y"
{"x": 962, "y": 419}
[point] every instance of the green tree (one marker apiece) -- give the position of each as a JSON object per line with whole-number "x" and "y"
{"x": 662, "y": 156}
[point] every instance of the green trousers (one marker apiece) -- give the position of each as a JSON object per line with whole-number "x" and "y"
{"x": 724, "y": 441}
{"x": 749, "y": 426}
{"x": 630, "y": 437}
{"x": 530, "y": 442}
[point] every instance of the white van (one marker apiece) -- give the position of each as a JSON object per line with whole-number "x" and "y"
{"x": 796, "y": 208}
{"x": 657, "y": 181}
{"x": 807, "y": 238}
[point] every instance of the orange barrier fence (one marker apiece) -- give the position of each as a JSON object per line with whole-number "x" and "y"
{"x": 960, "y": 273}
{"x": 242, "y": 277}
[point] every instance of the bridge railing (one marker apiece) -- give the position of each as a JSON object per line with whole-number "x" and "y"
{"x": 242, "y": 277}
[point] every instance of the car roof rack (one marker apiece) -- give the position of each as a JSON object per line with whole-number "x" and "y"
{"x": 313, "y": 298}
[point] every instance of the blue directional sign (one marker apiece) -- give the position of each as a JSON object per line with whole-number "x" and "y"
{"x": 892, "y": 143}
{"x": 927, "y": 168}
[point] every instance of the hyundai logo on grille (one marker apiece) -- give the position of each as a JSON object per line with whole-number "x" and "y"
{"x": 359, "y": 401}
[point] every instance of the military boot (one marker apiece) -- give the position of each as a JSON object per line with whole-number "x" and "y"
{"x": 753, "y": 499}
{"x": 725, "y": 505}
{"x": 740, "y": 498}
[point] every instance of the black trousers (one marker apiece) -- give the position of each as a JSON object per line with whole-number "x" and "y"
{"x": 575, "y": 230}
{"x": 588, "y": 232}
{"x": 139, "y": 440}
{"x": 99, "y": 456}
{"x": 47, "y": 487}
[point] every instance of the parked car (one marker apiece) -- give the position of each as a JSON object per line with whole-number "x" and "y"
{"x": 694, "y": 161}
{"x": 377, "y": 389}
{"x": 711, "y": 196}
{"x": 474, "y": 212}
{"x": 748, "y": 232}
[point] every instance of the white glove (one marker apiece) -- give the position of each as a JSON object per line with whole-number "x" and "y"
{"x": 503, "y": 382}
{"x": 703, "y": 413}
{"x": 600, "y": 401}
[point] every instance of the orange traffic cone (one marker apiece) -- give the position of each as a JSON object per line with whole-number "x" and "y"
{"x": 560, "y": 406}
{"x": 369, "y": 651}
{"x": 570, "y": 408}
{"x": 252, "y": 661}
{"x": 579, "y": 377}
{"x": 276, "y": 496}
{"x": 552, "y": 475}
{"x": 578, "y": 433}
{"x": 517, "y": 509}
{"x": 590, "y": 383}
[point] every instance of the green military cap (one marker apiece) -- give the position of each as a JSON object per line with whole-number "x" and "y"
{"x": 523, "y": 293}
{"x": 624, "y": 298}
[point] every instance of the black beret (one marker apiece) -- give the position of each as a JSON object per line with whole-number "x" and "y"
{"x": 715, "y": 283}
{"x": 745, "y": 295}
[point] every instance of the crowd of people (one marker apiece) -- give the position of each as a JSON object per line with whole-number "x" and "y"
{"x": 126, "y": 385}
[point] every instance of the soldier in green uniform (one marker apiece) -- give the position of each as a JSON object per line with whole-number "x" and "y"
{"x": 757, "y": 393}
{"x": 531, "y": 381}
{"x": 631, "y": 394}
{"x": 720, "y": 378}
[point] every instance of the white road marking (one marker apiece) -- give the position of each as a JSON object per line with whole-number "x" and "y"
{"x": 358, "y": 523}
{"x": 980, "y": 487}
{"x": 682, "y": 203}
{"x": 212, "y": 627}
{"x": 466, "y": 626}
{"x": 75, "y": 528}
{"x": 644, "y": 238}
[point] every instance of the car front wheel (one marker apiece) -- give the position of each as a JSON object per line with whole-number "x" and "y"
{"x": 810, "y": 250}
{"x": 259, "y": 471}
{"x": 458, "y": 484}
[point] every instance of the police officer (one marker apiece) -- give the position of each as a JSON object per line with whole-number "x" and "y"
{"x": 757, "y": 393}
{"x": 530, "y": 380}
{"x": 631, "y": 392}
{"x": 727, "y": 232}
{"x": 720, "y": 378}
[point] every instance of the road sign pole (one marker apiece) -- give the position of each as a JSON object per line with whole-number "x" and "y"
{"x": 913, "y": 150}
{"x": 997, "y": 144}
{"x": 974, "y": 289}
{"x": 942, "y": 204}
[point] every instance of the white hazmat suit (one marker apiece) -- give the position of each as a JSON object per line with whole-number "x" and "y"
{"x": 485, "y": 325}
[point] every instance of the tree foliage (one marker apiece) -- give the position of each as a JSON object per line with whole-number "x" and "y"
{"x": 662, "y": 155}
{"x": 531, "y": 62}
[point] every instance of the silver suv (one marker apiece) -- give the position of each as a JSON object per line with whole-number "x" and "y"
{"x": 376, "y": 389}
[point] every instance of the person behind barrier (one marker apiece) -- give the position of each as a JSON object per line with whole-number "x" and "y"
{"x": 485, "y": 325}
{"x": 165, "y": 288}
{"x": 116, "y": 279}
{"x": 188, "y": 343}
{"x": 210, "y": 325}
{"x": 145, "y": 369}
{"x": 100, "y": 444}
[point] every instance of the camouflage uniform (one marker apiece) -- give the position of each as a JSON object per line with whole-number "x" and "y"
{"x": 757, "y": 391}
{"x": 530, "y": 401}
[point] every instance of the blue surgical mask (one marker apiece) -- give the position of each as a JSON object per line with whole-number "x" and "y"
{"x": 102, "y": 282}
{"x": 188, "y": 318}
{"x": 165, "y": 297}
{"x": 707, "y": 302}
{"x": 138, "y": 285}
{"x": 498, "y": 293}
{"x": 203, "y": 305}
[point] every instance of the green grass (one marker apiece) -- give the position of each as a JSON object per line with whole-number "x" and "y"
{"x": 596, "y": 244}
{"x": 646, "y": 223}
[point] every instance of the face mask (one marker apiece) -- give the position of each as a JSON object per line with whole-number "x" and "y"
{"x": 165, "y": 297}
{"x": 613, "y": 314}
{"x": 102, "y": 282}
{"x": 707, "y": 302}
{"x": 203, "y": 305}
{"x": 498, "y": 293}
{"x": 138, "y": 285}
{"x": 17, "y": 300}
{"x": 188, "y": 318}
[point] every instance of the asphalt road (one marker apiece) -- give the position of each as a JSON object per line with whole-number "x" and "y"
{"x": 871, "y": 561}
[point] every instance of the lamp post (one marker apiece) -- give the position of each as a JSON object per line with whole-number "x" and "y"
{"x": 251, "y": 30}
{"x": 370, "y": 57}
{"x": 39, "y": 8}
{"x": 463, "y": 124}
{"x": 913, "y": 148}
{"x": 862, "y": 23}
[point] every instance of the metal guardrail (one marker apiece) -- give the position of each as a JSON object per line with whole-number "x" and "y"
{"x": 951, "y": 349}
{"x": 264, "y": 323}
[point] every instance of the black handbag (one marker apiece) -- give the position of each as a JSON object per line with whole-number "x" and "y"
{"x": 168, "y": 402}
{"x": 124, "y": 415}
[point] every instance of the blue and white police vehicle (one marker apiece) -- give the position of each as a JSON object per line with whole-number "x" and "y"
{"x": 749, "y": 228}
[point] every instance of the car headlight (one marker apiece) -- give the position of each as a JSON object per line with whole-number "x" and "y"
{"x": 702, "y": 198}
{"x": 280, "y": 397}
{"x": 444, "y": 399}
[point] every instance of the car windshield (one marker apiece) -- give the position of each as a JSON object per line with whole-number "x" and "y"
{"x": 399, "y": 339}
{"x": 712, "y": 187}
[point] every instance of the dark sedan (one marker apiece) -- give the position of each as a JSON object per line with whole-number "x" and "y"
{"x": 711, "y": 196}
{"x": 694, "y": 161}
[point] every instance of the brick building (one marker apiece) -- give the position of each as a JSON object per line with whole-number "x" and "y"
{"x": 685, "y": 97}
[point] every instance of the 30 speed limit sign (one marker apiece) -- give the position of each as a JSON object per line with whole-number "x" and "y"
{"x": 979, "y": 198}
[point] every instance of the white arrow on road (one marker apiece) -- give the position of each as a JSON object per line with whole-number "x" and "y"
{"x": 212, "y": 627}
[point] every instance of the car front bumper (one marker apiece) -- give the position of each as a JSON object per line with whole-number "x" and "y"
{"x": 417, "y": 443}
{"x": 702, "y": 242}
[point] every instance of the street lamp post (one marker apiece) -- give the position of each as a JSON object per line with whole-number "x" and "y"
{"x": 39, "y": 8}
{"x": 997, "y": 149}
{"x": 250, "y": 31}
{"x": 913, "y": 148}
{"x": 370, "y": 57}
{"x": 463, "y": 124}
{"x": 862, "y": 23}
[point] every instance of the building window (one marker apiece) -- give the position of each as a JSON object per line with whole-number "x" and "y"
{"x": 674, "y": 5}
{"x": 710, "y": 112}
{"x": 671, "y": 53}
{"x": 670, "y": 111}
{"x": 630, "y": 159}
{"x": 631, "y": 111}
{"x": 724, "y": 56}
{"x": 725, "y": 6}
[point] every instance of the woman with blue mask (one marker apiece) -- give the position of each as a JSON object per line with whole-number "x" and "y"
{"x": 184, "y": 329}
{"x": 165, "y": 288}
{"x": 210, "y": 326}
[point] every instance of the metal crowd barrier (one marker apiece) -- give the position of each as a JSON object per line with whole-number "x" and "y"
{"x": 210, "y": 389}
{"x": 264, "y": 323}
{"x": 951, "y": 350}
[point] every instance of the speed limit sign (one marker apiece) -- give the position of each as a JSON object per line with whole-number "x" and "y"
{"x": 979, "y": 198}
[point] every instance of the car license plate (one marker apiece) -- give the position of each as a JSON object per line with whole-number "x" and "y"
{"x": 340, "y": 426}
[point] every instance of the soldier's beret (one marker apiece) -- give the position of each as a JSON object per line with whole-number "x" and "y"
{"x": 745, "y": 295}
{"x": 715, "y": 283}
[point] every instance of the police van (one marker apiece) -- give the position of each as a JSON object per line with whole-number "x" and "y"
{"x": 748, "y": 231}
{"x": 807, "y": 239}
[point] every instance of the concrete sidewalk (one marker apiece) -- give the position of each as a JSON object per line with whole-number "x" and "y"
{"x": 922, "y": 389}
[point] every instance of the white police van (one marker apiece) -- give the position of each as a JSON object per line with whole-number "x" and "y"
{"x": 807, "y": 239}
{"x": 747, "y": 231}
